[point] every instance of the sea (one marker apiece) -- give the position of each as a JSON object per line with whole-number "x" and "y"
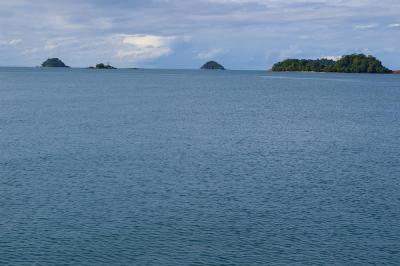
{"x": 190, "y": 167}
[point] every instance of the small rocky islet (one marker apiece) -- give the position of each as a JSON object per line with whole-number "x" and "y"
{"x": 212, "y": 65}
{"x": 53, "y": 62}
{"x": 102, "y": 66}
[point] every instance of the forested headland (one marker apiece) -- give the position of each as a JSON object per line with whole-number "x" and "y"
{"x": 354, "y": 63}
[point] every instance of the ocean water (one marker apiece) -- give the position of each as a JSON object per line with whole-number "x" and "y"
{"x": 173, "y": 167}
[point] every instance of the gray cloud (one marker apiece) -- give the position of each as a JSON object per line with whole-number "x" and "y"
{"x": 181, "y": 33}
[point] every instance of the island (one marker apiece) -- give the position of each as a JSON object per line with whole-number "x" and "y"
{"x": 212, "y": 65}
{"x": 102, "y": 66}
{"x": 396, "y": 71}
{"x": 53, "y": 62}
{"x": 354, "y": 63}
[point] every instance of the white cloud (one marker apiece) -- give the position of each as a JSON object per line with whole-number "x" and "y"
{"x": 10, "y": 42}
{"x": 55, "y": 43}
{"x": 14, "y": 42}
{"x": 332, "y": 57}
{"x": 365, "y": 27}
{"x": 246, "y": 28}
{"x": 143, "y": 47}
{"x": 210, "y": 53}
{"x": 51, "y": 46}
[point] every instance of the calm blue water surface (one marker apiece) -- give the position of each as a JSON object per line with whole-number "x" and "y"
{"x": 169, "y": 167}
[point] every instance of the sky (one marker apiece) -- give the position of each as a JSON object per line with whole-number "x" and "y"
{"x": 240, "y": 34}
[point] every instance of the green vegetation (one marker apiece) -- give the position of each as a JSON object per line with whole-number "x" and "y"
{"x": 319, "y": 65}
{"x": 103, "y": 66}
{"x": 212, "y": 65}
{"x": 355, "y": 63}
{"x": 53, "y": 62}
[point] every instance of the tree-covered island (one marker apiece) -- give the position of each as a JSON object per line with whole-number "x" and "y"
{"x": 53, "y": 62}
{"x": 213, "y": 65}
{"x": 103, "y": 66}
{"x": 354, "y": 63}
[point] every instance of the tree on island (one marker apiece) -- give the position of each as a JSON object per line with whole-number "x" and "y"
{"x": 103, "y": 66}
{"x": 212, "y": 65}
{"x": 359, "y": 63}
{"x": 355, "y": 63}
{"x": 53, "y": 62}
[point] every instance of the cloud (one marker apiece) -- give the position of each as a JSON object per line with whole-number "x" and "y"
{"x": 332, "y": 57}
{"x": 210, "y": 53}
{"x": 143, "y": 47}
{"x": 51, "y": 46}
{"x": 290, "y": 52}
{"x": 150, "y": 31}
{"x": 365, "y": 27}
{"x": 12, "y": 42}
{"x": 54, "y": 43}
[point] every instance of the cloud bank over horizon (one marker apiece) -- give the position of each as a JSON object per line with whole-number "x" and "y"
{"x": 241, "y": 34}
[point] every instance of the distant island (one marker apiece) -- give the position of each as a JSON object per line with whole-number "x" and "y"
{"x": 102, "y": 66}
{"x": 53, "y": 62}
{"x": 212, "y": 65}
{"x": 354, "y": 63}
